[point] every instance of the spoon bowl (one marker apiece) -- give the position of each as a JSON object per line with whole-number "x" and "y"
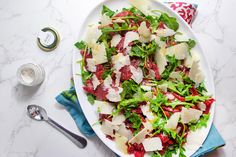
{"x": 38, "y": 113}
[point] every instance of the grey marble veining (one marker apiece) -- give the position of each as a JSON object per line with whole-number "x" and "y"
{"x": 21, "y": 20}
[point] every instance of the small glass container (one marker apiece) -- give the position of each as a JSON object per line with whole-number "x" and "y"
{"x": 30, "y": 74}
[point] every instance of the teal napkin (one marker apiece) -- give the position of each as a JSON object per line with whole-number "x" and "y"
{"x": 69, "y": 100}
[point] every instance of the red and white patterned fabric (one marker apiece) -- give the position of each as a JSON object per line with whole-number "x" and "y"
{"x": 186, "y": 10}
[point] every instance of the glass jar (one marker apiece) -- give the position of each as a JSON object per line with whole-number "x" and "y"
{"x": 30, "y": 74}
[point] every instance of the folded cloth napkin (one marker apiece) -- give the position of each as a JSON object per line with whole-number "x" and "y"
{"x": 69, "y": 99}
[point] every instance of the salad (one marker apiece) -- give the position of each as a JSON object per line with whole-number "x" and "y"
{"x": 144, "y": 77}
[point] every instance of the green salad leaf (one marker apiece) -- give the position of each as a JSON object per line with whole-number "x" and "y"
{"x": 136, "y": 121}
{"x": 108, "y": 12}
{"x": 80, "y": 45}
{"x": 129, "y": 89}
{"x": 172, "y": 64}
{"x": 170, "y": 22}
{"x": 143, "y": 51}
{"x": 90, "y": 98}
{"x": 202, "y": 122}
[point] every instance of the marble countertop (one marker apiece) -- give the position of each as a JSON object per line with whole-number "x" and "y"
{"x": 19, "y": 23}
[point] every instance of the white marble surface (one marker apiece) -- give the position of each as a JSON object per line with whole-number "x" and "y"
{"x": 19, "y": 23}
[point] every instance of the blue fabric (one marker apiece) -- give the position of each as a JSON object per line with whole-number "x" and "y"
{"x": 70, "y": 101}
{"x": 212, "y": 142}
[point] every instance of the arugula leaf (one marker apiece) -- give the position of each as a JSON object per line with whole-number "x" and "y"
{"x": 117, "y": 28}
{"x": 108, "y": 12}
{"x": 135, "y": 120}
{"x": 129, "y": 89}
{"x": 153, "y": 21}
{"x": 191, "y": 43}
{"x": 80, "y": 45}
{"x": 201, "y": 88}
{"x": 110, "y": 52}
{"x": 196, "y": 98}
{"x": 170, "y": 151}
{"x": 172, "y": 64}
{"x": 106, "y": 73}
{"x": 165, "y": 39}
{"x": 176, "y": 103}
{"x": 129, "y": 103}
{"x": 144, "y": 51}
{"x": 155, "y": 154}
{"x": 202, "y": 122}
{"x": 179, "y": 87}
{"x": 170, "y": 22}
{"x": 90, "y": 98}
{"x": 135, "y": 11}
{"x": 156, "y": 103}
{"x": 104, "y": 37}
{"x": 86, "y": 75}
{"x": 181, "y": 152}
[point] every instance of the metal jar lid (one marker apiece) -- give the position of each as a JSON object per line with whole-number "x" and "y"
{"x": 48, "y": 39}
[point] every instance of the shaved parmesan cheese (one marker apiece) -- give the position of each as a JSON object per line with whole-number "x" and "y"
{"x": 165, "y": 32}
{"x": 104, "y": 107}
{"x": 115, "y": 40}
{"x": 147, "y": 112}
{"x": 113, "y": 95}
{"x": 123, "y": 131}
{"x": 128, "y": 49}
{"x": 176, "y": 75}
{"x": 139, "y": 137}
{"x": 143, "y": 30}
{"x": 148, "y": 95}
{"x": 107, "y": 127}
{"x": 99, "y": 53}
{"x": 170, "y": 96}
{"x": 163, "y": 87}
{"x": 190, "y": 59}
{"x": 95, "y": 81}
{"x": 121, "y": 143}
{"x": 120, "y": 61}
{"x": 148, "y": 126}
{"x": 195, "y": 139}
{"x": 157, "y": 39}
{"x": 92, "y": 34}
{"x": 105, "y": 20}
{"x": 117, "y": 81}
{"x": 118, "y": 119}
{"x": 146, "y": 88}
{"x": 107, "y": 82}
{"x": 142, "y": 39}
{"x": 189, "y": 115}
{"x": 152, "y": 144}
{"x": 201, "y": 106}
{"x": 142, "y": 5}
{"x": 129, "y": 37}
{"x": 195, "y": 73}
{"x": 160, "y": 60}
{"x": 137, "y": 74}
{"x": 152, "y": 73}
{"x": 118, "y": 20}
{"x": 180, "y": 51}
{"x": 173, "y": 121}
{"x": 181, "y": 37}
{"x": 91, "y": 66}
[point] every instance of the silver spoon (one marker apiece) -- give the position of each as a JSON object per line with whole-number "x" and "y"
{"x": 38, "y": 113}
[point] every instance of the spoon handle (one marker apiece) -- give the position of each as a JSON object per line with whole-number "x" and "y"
{"x": 76, "y": 139}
